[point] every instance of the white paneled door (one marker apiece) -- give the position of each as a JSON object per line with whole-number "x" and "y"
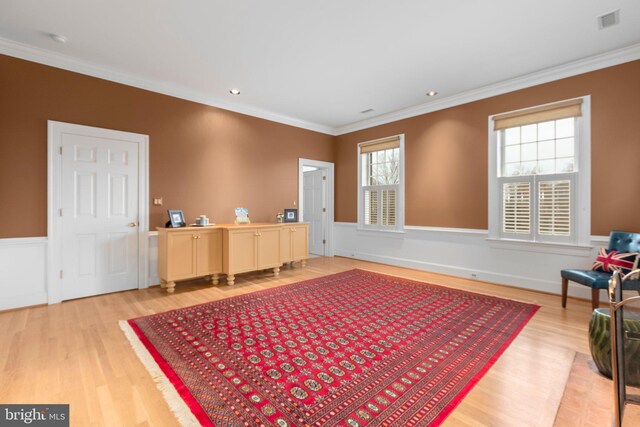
{"x": 314, "y": 209}
{"x": 99, "y": 212}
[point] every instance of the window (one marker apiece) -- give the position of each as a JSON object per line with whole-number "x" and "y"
{"x": 380, "y": 182}
{"x": 539, "y": 177}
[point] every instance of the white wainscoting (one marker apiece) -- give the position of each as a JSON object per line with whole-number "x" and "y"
{"x": 23, "y": 272}
{"x": 458, "y": 252}
{"x": 467, "y": 253}
{"x": 153, "y": 258}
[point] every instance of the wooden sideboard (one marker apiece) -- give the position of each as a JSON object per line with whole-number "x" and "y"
{"x": 190, "y": 252}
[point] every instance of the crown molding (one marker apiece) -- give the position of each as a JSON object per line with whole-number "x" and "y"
{"x": 57, "y": 60}
{"x": 581, "y": 66}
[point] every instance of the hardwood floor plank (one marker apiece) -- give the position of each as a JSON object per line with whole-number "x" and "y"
{"x": 75, "y": 352}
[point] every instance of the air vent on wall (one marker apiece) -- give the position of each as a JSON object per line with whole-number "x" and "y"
{"x": 368, "y": 110}
{"x": 609, "y": 19}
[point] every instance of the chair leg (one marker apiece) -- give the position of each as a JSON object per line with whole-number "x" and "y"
{"x": 595, "y": 298}
{"x": 565, "y": 288}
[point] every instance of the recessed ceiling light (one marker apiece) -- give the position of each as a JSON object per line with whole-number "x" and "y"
{"x": 234, "y": 92}
{"x": 58, "y": 38}
{"x": 432, "y": 93}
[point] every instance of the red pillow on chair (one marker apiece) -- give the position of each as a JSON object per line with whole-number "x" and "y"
{"x": 610, "y": 260}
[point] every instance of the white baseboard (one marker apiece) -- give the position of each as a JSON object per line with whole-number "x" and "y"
{"x": 153, "y": 259}
{"x": 465, "y": 254}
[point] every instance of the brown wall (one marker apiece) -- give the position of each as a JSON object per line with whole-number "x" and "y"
{"x": 446, "y": 154}
{"x": 203, "y": 160}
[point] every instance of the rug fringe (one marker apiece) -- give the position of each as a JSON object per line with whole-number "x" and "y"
{"x": 176, "y": 404}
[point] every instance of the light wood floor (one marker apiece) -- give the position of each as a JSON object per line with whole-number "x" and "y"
{"x": 75, "y": 353}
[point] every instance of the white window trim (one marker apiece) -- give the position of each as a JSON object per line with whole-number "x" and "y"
{"x": 399, "y": 227}
{"x": 582, "y": 183}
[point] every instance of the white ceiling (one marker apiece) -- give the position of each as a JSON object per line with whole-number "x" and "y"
{"x": 319, "y": 63}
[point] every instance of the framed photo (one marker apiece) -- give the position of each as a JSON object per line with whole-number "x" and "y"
{"x": 176, "y": 219}
{"x": 291, "y": 215}
{"x": 242, "y": 216}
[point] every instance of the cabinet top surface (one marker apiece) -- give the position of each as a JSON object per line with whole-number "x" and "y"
{"x": 233, "y": 226}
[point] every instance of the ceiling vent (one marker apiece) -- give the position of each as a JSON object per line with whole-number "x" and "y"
{"x": 609, "y": 19}
{"x": 368, "y": 110}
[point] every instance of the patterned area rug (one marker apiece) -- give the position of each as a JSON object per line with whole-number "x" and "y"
{"x": 351, "y": 349}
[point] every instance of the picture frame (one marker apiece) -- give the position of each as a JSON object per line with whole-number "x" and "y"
{"x": 176, "y": 219}
{"x": 291, "y": 215}
{"x": 242, "y": 216}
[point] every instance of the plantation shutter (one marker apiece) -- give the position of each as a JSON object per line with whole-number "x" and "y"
{"x": 371, "y": 207}
{"x": 516, "y": 207}
{"x": 544, "y": 113}
{"x": 554, "y": 208}
{"x": 388, "y": 207}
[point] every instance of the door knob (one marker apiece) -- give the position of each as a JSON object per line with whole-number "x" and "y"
{"x": 132, "y": 224}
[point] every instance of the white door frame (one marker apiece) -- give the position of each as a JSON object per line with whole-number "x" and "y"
{"x": 328, "y": 166}
{"x": 54, "y": 203}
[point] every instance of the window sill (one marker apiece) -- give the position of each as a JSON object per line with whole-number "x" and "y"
{"x": 380, "y": 231}
{"x": 542, "y": 247}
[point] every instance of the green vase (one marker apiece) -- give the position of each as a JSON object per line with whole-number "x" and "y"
{"x": 600, "y": 344}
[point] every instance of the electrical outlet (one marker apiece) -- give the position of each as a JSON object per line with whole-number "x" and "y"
{"x": 157, "y": 201}
{"x": 475, "y": 275}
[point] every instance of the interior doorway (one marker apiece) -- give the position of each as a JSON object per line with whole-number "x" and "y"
{"x": 315, "y": 203}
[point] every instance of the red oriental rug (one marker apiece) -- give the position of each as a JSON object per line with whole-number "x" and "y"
{"x": 350, "y": 349}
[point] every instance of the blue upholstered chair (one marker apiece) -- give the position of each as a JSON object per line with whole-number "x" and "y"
{"x": 596, "y": 280}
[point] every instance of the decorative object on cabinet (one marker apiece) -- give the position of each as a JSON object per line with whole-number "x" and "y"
{"x": 176, "y": 219}
{"x": 291, "y": 215}
{"x": 280, "y": 217}
{"x": 242, "y": 216}
{"x": 189, "y": 252}
{"x": 203, "y": 221}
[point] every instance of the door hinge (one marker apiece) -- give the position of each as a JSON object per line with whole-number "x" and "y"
{"x": 61, "y": 274}
{"x": 324, "y": 209}
{"x": 324, "y": 242}
{"x": 60, "y": 150}
{"x": 324, "y": 178}
{"x": 60, "y": 211}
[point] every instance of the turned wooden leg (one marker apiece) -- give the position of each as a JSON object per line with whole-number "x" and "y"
{"x": 171, "y": 287}
{"x": 231, "y": 279}
{"x": 595, "y": 298}
{"x": 303, "y": 263}
{"x": 215, "y": 279}
{"x": 276, "y": 271}
{"x": 163, "y": 283}
{"x": 565, "y": 288}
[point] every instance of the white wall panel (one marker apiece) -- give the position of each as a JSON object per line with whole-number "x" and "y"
{"x": 468, "y": 253}
{"x": 23, "y": 264}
